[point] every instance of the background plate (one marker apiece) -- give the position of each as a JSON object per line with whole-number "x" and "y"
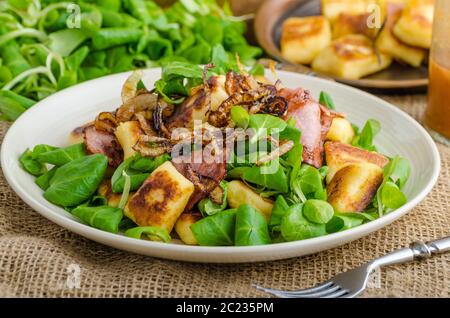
{"x": 51, "y": 120}
{"x": 269, "y": 20}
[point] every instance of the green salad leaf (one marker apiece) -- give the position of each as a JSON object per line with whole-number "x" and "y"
{"x": 365, "y": 139}
{"x": 105, "y": 218}
{"x": 45, "y": 48}
{"x": 265, "y": 125}
{"x": 76, "y": 181}
{"x": 326, "y": 100}
{"x": 59, "y": 156}
{"x": 216, "y": 230}
{"x": 43, "y": 181}
{"x": 294, "y": 226}
{"x": 251, "y": 227}
{"x": 31, "y": 165}
{"x": 138, "y": 169}
{"x": 148, "y": 164}
{"x": 12, "y": 105}
{"x": 154, "y": 233}
{"x": 318, "y": 211}
{"x": 280, "y": 208}
{"x": 240, "y": 116}
{"x": 389, "y": 194}
{"x": 342, "y": 222}
{"x": 270, "y": 176}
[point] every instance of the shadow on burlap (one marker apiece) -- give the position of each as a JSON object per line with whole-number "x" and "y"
{"x": 36, "y": 255}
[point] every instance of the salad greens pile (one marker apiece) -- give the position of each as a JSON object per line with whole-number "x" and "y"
{"x": 71, "y": 178}
{"x": 48, "y": 45}
{"x": 300, "y": 210}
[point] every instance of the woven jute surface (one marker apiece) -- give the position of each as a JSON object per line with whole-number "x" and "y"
{"x": 39, "y": 258}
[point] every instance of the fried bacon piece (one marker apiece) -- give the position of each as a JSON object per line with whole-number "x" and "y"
{"x": 205, "y": 174}
{"x": 98, "y": 141}
{"x": 313, "y": 120}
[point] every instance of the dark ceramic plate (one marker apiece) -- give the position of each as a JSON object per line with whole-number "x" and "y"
{"x": 269, "y": 19}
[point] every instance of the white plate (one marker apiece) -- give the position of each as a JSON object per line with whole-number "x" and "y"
{"x": 51, "y": 120}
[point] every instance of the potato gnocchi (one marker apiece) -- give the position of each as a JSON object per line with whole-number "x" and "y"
{"x": 366, "y": 36}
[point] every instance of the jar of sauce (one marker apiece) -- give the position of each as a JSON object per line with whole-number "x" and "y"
{"x": 437, "y": 114}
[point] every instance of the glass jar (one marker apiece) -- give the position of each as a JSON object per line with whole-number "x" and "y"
{"x": 437, "y": 114}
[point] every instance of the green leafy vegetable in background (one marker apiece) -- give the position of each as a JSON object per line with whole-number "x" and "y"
{"x": 76, "y": 181}
{"x": 43, "y": 50}
{"x": 12, "y": 105}
{"x": 216, "y": 230}
{"x": 251, "y": 227}
{"x": 105, "y": 218}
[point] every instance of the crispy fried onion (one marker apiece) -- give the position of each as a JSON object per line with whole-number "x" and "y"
{"x": 106, "y": 121}
{"x": 274, "y": 105}
{"x": 139, "y": 103}
{"x": 217, "y": 195}
{"x": 244, "y": 90}
{"x": 158, "y": 118}
{"x": 284, "y": 148}
{"x": 143, "y": 119}
{"x": 129, "y": 88}
{"x": 152, "y": 146}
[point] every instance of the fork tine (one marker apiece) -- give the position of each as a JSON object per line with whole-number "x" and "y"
{"x": 318, "y": 291}
{"x": 337, "y": 294}
{"x": 298, "y": 292}
{"x": 322, "y": 293}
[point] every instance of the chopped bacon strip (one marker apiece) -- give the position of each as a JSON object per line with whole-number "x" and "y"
{"x": 205, "y": 176}
{"x": 104, "y": 143}
{"x": 313, "y": 120}
{"x": 306, "y": 113}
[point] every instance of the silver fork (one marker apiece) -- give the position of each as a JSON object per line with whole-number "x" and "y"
{"x": 351, "y": 283}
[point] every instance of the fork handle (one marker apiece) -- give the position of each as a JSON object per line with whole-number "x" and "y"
{"x": 440, "y": 246}
{"x": 416, "y": 251}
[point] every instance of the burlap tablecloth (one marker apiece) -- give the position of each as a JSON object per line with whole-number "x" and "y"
{"x": 37, "y": 256}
